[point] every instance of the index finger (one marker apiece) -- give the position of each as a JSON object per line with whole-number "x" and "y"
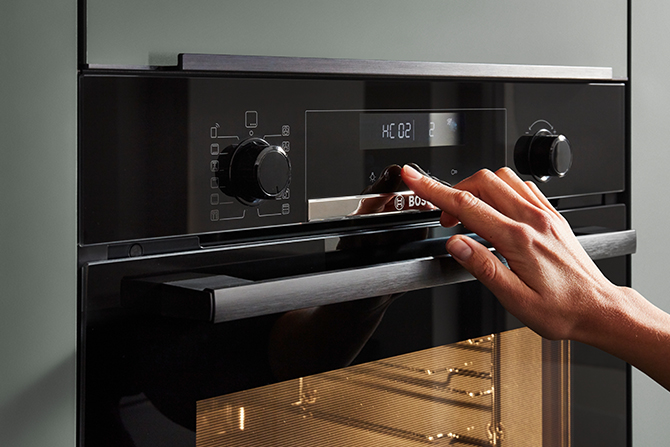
{"x": 475, "y": 214}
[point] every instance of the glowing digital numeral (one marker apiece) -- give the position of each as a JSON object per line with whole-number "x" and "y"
{"x": 397, "y": 130}
{"x": 387, "y": 131}
{"x": 404, "y": 130}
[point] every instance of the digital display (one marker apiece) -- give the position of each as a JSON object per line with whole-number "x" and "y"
{"x": 406, "y": 130}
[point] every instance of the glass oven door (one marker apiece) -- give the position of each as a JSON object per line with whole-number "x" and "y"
{"x": 171, "y": 355}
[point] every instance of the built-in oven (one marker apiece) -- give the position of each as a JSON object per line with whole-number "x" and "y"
{"x": 253, "y": 271}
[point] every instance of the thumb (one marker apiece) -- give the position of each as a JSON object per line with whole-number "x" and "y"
{"x": 485, "y": 266}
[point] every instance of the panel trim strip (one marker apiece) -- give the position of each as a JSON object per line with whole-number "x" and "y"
{"x": 325, "y": 66}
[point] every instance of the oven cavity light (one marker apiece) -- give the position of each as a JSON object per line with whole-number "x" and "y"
{"x": 242, "y": 417}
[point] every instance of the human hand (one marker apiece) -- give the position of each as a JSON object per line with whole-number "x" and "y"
{"x": 380, "y": 197}
{"x": 551, "y": 284}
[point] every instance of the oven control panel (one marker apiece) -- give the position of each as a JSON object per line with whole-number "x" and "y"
{"x": 178, "y": 154}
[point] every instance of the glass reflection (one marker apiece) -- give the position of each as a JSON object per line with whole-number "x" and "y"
{"x": 394, "y": 402}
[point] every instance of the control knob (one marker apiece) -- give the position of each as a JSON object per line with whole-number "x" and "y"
{"x": 254, "y": 170}
{"x": 543, "y": 155}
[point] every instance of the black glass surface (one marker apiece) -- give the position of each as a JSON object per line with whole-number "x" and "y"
{"x": 143, "y": 373}
{"x": 152, "y": 148}
{"x": 345, "y": 162}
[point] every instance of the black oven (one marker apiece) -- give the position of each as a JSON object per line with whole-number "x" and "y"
{"x": 253, "y": 271}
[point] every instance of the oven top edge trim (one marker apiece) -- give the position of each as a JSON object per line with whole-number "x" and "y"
{"x": 97, "y": 250}
{"x": 191, "y": 62}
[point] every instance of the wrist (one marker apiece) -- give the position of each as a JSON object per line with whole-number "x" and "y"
{"x": 628, "y": 326}
{"x": 609, "y": 312}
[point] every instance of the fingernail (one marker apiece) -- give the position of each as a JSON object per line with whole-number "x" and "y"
{"x": 412, "y": 173}
{"x": 459, "y": 250}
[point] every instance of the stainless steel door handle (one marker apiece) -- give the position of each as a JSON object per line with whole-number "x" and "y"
{"x": 220, "y": 298}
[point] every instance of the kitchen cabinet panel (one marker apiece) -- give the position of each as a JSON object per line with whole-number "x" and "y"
{"x": 153, "y": 32}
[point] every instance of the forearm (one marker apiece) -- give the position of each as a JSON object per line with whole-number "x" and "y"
{"x": 630, "y": 327}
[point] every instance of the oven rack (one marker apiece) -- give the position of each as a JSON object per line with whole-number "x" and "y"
{"x": 363, "y": 401}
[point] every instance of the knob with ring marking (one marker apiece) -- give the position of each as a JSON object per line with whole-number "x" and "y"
{"x": 543, "y": 155}
{"x": 256, "y": 171}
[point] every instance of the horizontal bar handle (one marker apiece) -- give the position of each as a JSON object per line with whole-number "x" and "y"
{"x": 220, "y": 298}
{"x": 609, "y": 245}
{"x": 325, "y": 66}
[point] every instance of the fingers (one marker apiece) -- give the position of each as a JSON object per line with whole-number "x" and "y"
{"x": 463, "y": 205}
{"x": 541, "y": 197}
{"x": 488, "y": 269}
{"x": 527, "y": 190}
{"x": 485, "y": 201}
{"x": 549, "y": 272}
{"x": 505, "y": 192}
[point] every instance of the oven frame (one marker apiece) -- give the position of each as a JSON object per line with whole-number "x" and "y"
{"x": 424, "y": 272}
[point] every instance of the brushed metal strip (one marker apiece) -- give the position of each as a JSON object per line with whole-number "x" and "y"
{"x": 332, "y": 208}
{"x": 366, "y": 205}
{"x": 267, "y": 297}
{"x": 325, "y": 66}
{"x": 609, "y": 245}
{"x": 334, "y": 287}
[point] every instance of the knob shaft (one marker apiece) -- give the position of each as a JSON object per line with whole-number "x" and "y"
{"x": 543, "y": 155}
{"x": 257, "y": 171}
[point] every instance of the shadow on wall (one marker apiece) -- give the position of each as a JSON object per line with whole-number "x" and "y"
{"x": 42, "y": 410}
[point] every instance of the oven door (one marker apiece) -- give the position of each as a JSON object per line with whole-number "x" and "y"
{"x": 360, "y": 338}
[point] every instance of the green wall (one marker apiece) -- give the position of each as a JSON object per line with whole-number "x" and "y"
{"x": 650, "y": 73}
{"x": 570, "y": 32}
{"x": 38, "y": 138}
{"x": 37, "y": 223}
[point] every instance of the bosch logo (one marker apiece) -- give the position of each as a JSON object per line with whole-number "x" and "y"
{"x": 399, "y": 202}
{"x": 416, "y": 201}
